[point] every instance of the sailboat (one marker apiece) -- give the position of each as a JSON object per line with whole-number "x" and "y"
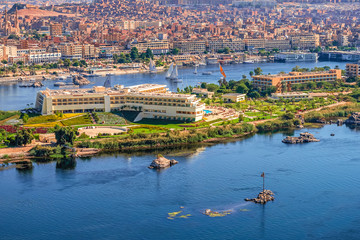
{"x": 174, "y": 75}
{"x": 195, "y": 71}
{"x": 170, "y": 70}
{"x": 107, "y": 82}
{"x": 152, "y": 66}
{"x": 222, "y": 72}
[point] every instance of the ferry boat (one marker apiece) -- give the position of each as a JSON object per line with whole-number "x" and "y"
{"x": 249, "y": 61}
{"x": 58, "y": 84}
{"x": 212, "y": 60}
{"x": 296, "y": 57}
{"x": 61, "y": 78}
{"x": 206, "y": 73}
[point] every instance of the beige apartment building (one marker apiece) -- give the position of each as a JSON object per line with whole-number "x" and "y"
{"x": 56, "y": 29}
{"x": 279, "y": 44}
{"x": 352, "y": 70}
{"x": 281, "y": 81}
{"x": 88, "y": 51}
{"x": 305, "y": 41}
{"x": 235, "y": 45}
{"x": 131, "y": 24}
{"x": 254, "y": 43}
{"x": 151, "y": 100}
{"x": 71, "y": 51}
{"x": 198, "y": 46}
{"x": 156, "y": 46}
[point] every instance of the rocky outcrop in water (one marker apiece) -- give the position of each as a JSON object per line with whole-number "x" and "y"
{"x": 354, "y": 119}
{"x": 24, "y": 165}
{"x": 160, "y": 163}
{"x": 263, "y": 197}
{"x": 304, "y": 138}
{"x": 80, "y": 80}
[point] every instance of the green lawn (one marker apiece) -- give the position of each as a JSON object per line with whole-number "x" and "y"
{"x": 147, "y": 130}
{"x": 50, "y": 118}
{"x": 110, "y": 118}
{"x": 7, "y": 114}
{"x": 84, "y": 119}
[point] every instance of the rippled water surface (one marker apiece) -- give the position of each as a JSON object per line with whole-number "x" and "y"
{"x": 118, "y": 197}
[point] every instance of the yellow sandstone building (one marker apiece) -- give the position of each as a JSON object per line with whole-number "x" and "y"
{"x": 151, "y": 100}
{"x": 281, "y": 81}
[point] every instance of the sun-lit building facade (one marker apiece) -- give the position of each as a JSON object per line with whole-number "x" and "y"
{"x": 150, "y": 100}
{"x": 281, "y": 81}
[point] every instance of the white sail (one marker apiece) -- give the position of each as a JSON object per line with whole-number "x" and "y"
{"x": 171, "y": 68}
{"x": 174, "y": 74}
{"x": 195, "y": 71}
{"x": 152, "y": 66}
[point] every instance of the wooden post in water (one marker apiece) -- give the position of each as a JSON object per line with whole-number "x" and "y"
{"x": 263, "y": 176}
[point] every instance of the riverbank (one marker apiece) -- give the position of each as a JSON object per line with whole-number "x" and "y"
{"x": 174, "y": 137}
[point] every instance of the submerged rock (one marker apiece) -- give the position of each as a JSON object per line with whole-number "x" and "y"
{"x": 263, "y": 197}
{"x": 25, "y": 165}
{"x": 304, "y": 138}
{"x": 160, "y": 162}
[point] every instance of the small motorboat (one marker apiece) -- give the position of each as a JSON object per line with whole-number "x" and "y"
{"x": 206, "y": 73}
{"x": 59, "y": 84}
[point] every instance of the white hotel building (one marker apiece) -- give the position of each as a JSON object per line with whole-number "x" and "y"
{"x": 151, "y": 100}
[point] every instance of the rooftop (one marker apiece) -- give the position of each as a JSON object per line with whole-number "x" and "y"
{"x": 297, "y": 74}
{"x": 136, "y": 90}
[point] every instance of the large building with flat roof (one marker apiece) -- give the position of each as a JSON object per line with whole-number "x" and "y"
{"x": 281, "y": 81}
{"x": 352, "y": 69}
{"x": 150, "y": 100}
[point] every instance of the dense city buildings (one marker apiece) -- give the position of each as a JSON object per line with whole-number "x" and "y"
{"x": 191, "y": 27}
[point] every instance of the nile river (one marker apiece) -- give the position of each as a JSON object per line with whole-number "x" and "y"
{"x": 118, "y": 197}
{"x": 12, "y": 97}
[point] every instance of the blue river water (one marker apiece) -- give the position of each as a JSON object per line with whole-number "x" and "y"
{"x": 117, "y": 197}
{"x": 12, "y": 97}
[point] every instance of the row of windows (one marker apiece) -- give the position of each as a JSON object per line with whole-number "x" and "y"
{"x": 147, "y": 99}
{"x": 81, "y": 110}
{"x": 295, "y": 80}
{"x": 77, "y": 99}
{"x": 310, "y": 77}
{"x": 76, "y": 103}
{"x": 153, "y": 110}
{"x": 175, "y": 118}
{"x": 151, "y": 103}
{"x": 184, "y": 112}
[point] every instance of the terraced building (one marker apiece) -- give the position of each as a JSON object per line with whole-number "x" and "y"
{"x": 150, "y": 100}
